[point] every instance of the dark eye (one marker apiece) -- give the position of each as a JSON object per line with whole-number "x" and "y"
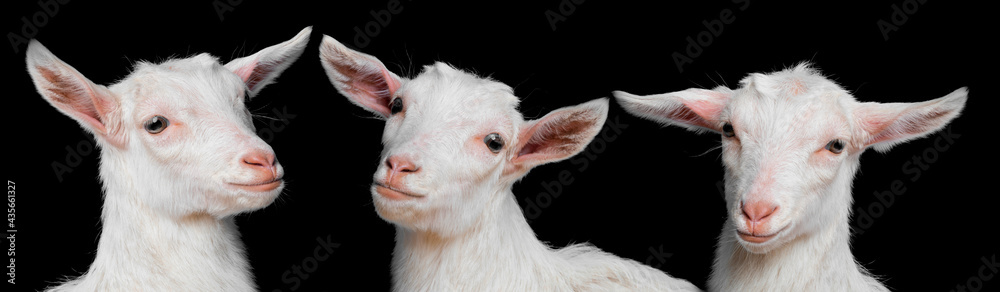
{"x": 396, "y": 105}
{"x": 156, "y": 124}
{"x": 494, "y": 142}
{"x": 836, "y": 146}
{"x": 727, "y": 130}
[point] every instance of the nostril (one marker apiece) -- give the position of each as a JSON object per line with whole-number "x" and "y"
{"x": 758, "y": 211}
{"x": 259, "y": 159}
{"x": 768, "y": 212}
{"x": 398, "y": 164}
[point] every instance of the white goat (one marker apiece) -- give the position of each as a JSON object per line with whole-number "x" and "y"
{"x": 790, "y": 147}
{"x": 179, "y": 158}
{"x": 454, "y": 146}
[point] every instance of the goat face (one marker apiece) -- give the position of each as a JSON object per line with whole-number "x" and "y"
{"x": 454, "y": 143}
{"x": 177, "y": 133}
{"x": 791, "y": 141}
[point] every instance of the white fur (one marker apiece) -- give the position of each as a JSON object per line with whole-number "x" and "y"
{"x": 782, "y": 123}
{"x": 466, "y": 232}
{"x": 169, "y": 198}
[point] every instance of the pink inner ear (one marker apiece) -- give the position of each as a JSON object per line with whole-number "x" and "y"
{"x": 253, "y": 73}
{"x": 685, "y": 115}
{"x": 391, "y": 82}
{"x": 371, "y": 87}
{"x": 534, "y": 150}
{"x": 71, "y": 98}
{"x": 538, "y": 148}
{"x": 554, "y": 138}
{"x": 895, "y": 126}
{"x": 246, "y": 71}
{"x": 527, "y": 149}
{"x": 875, "y": 124}
{"x": 378, "y": 84}
{"x": 258, "y": 74}
{"x": 703, "y": 112}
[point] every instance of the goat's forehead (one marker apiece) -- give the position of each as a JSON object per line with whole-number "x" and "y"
{"x": 443, "y": 90}
{"x": 198, "y": 80}
{"x": 794, "y": 104}
{"x": 799, "y": 88}
{"x": 799, "y": 82}
{"x": 815, "y": 116}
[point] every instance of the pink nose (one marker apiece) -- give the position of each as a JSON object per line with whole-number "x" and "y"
{"x": 262, "y": 162}
{"x": 398, "y": 168}
{"x": 758, "y": 213}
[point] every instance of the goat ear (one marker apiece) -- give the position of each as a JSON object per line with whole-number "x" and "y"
{"x": 358, "y": 76}
{"x": 884, "y": 125}
{"x": 92, "y": 105}
{"x": 694, "y": 109}
{"x": 558, "y": 135}
{"x": 261, "y": 68}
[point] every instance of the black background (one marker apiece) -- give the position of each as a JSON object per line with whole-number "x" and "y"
{"x": 647, "y": 190}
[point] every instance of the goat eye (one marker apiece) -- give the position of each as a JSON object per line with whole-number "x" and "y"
{"x": 836, "y": 146}
{"x": 494, "y": 142}
{"x": 396, "y": 105}
{"x": 728, "y": 131}
{"x": 156, "y": 124}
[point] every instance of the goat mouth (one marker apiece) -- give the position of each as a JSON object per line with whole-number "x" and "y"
{"x": 263, "y": 186}
{"x": 393, "y": 193}
{"x": 757, "y": 238}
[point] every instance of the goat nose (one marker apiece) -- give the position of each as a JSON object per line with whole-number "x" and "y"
{"x": 758, "y": 211}
{"x": 260, "y": 160}
{"x": 400, "y": 165}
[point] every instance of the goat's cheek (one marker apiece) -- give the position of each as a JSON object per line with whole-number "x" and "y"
{"x": 476, "y": 150}
{"x": 730, "y": 157}
{"x": 823, "y": 159}
{"x": 824, "y": 165}
{"x": 164, "y": 146}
